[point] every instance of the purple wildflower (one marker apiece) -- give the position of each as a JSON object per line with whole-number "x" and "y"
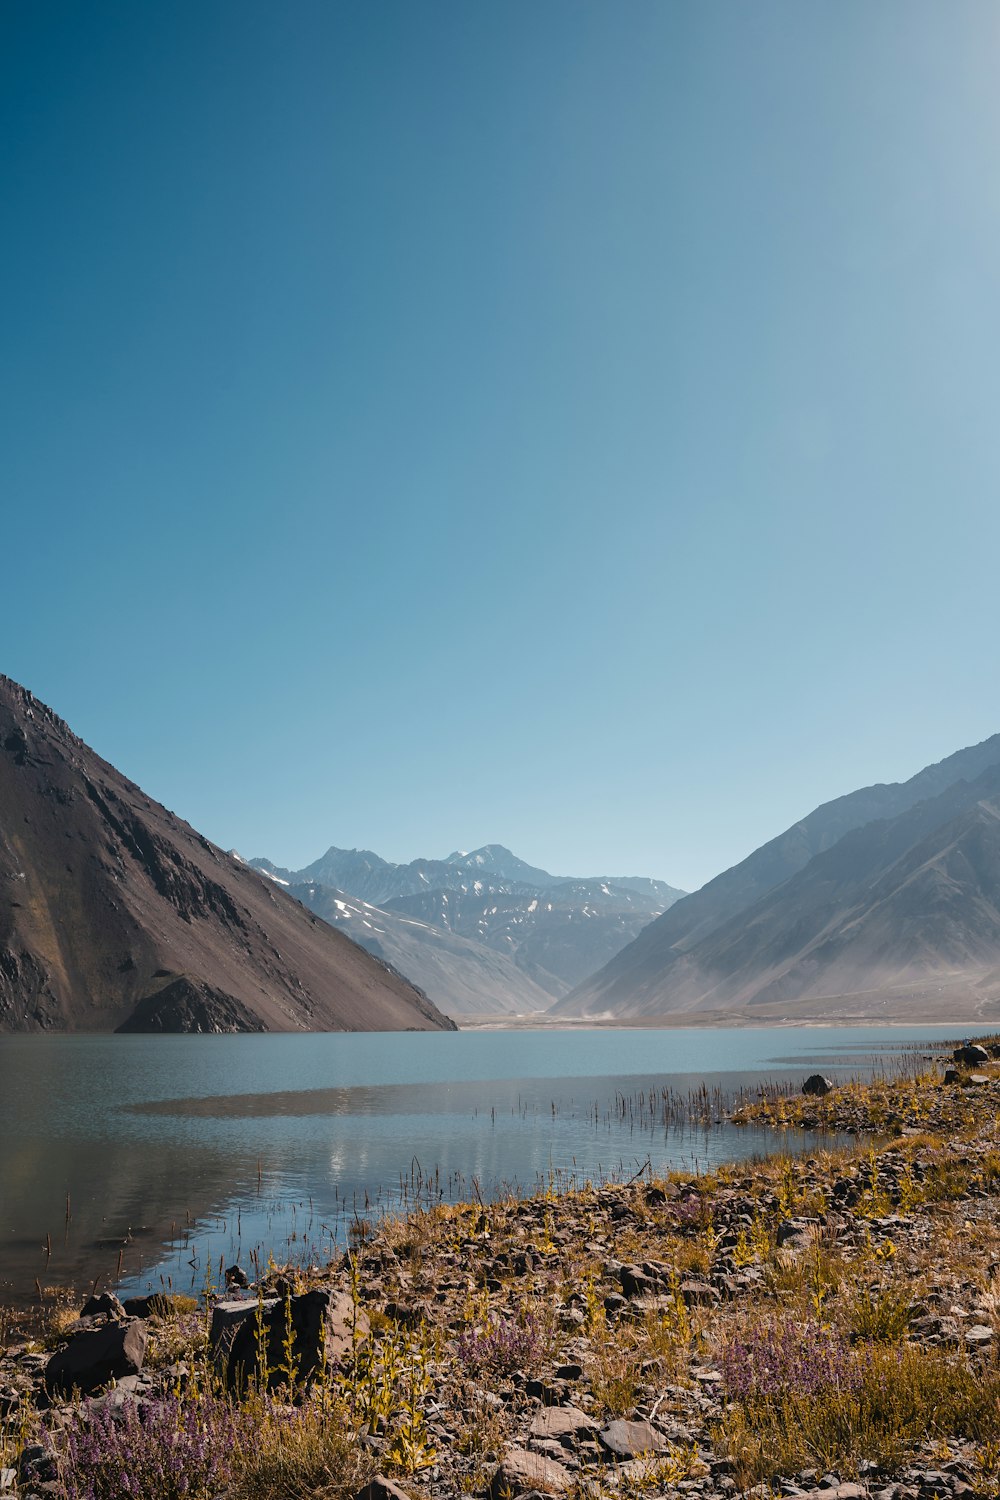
{"x": 788, "y": 1358}
{"x": 499, "y": 1348}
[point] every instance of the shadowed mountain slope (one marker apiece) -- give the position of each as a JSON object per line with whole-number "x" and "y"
{"x": 116, "y": 915}
{"x": 749, "y": 936}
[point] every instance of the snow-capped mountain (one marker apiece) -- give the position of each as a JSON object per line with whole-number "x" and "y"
{"x": 550, "y": 931}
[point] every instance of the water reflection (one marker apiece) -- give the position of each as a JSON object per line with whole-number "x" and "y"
{"x": 174, "y": 1151}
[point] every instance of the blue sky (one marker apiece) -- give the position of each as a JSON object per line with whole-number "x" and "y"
{"x": 568, "y": 425}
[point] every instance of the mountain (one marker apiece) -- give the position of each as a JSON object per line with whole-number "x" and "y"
{"x": 465, "y": 977}
{"x": 116, "y": 915}
{"x": 557, "y": 934}
{"x": 550, "y": 930}
{"x": 884, "y": 895}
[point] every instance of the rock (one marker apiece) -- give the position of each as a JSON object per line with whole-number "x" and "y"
{"x": 698, "y": 1293}
{"x": 521, "y": 1471}
{"x": 381, "y": 1488}
{"x": 816, "y": 1086}
{"x": 970, "y": 1055}
{"x": 320, "y": 1328}
{"x": 952, "y": 1075}
{"x": 8, "y": 1479}
{"x": 158, "y": 1305}
{"x": 236, "y": 1277}
{"x": 978, "y": 1335}
{"x": 98, "y": 1355}
{"x": 631, "y": 1439}
{"x": 837, "y": 1491}
{"x": 974, "y": 1081}
{"x": 566, "y": 1424}
{"x": 106, "y": 1305}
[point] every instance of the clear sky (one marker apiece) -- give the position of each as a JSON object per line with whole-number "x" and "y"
{"x": 571, "y": 425}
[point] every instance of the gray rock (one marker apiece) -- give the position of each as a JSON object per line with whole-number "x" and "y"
{"x": 106, "y": 1305}
{"x": 816, "y": 1086}
{"x": 979, "y": 1335}
{"x": 632, "y": 1439}
{"x": 381, "y": 1488}
{"x": 93, "y": 1358}
{"x": 566, "y": 1424}
{"x": 320, "y": 1329}
{"x": 521, "y": 1471}
{"x": 970, "y": 1055}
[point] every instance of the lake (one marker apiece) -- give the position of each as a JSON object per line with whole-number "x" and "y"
{"x": 145, "y": 1159}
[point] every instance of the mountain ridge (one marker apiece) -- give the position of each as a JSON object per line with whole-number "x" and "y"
{"x": 548, "y": 930}
{"x": 116, "y": 914}
{"x": 711, "y": 958}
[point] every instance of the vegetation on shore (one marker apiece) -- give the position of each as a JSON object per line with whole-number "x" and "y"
{"x": 794, "y": 1324}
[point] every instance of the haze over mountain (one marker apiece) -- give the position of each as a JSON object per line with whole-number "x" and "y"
{"x": 465, "y": 977}
{"x": 116, "y": 915}
{"x": 881, "y": 903}
{"x": 478, "y": 931}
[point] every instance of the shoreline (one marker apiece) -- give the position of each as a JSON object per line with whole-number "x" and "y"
{"x": 607, "y": 1342}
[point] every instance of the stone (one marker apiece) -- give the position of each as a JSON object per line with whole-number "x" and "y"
{"x": 566, "y": 1424}
{"x": 698, "y": 1293}
{"x": 106, "y": 1306}
{"x": 236, "y": 1277}
{"x": 970, "y": 1055}
{"x": 158, "y": 1305}
{"x": 836, "y": 1491}
{"x": 320, "y": 1328}
{"x": 381, "y": 1488}
{"x": 521, "y": 1471}
{"x": 978, "y": 1335}
{"x": 631, "y": 1439}
{"x": 952, "y": 1075}
{"x": 975, "y": 1081}
{"x": 98, "y": 1355}
{"x": 816, "y": 1086}
{"x": 8, "y": 1479}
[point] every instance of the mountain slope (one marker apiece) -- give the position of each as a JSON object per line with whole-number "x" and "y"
{"x": 115, "y": 914}
{"x": 557, "y": 935}
{"x": 551, "y": 931}
{"x": 466, "y": 978}
{"x": 650, "y": 970}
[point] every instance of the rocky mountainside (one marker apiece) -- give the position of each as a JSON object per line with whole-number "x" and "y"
{"x": 887, "y": 897}
{"x": 550, "y": 930}
{"x": 465, "y": 977}
{"x": 116, "y": 915}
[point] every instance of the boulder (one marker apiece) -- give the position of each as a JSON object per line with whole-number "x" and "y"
{"x": 98, "y": 1355}
{"x": 320, "y": 1329}
{"x": 158, "y": 1305}
{"x": 106, "y": 1305}
{"x": 630, "y": 1439}
{"x": 381, "y": 1488}
{"x": 521, "y": 1471}
{"x": 566, "y": 1424}
{"x": 816, "y": 1086}
{"x": 971, "y": 1055}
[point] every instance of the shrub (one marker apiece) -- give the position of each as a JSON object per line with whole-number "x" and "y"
{"x": 881, "y": 1404}
{"x": 173, "y": 1449}
{"x": 500, "y": 1347}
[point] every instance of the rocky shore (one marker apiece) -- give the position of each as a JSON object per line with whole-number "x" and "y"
{"x": 824, "y": 1326}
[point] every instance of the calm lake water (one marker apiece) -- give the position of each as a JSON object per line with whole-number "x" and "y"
{"x": 140, "y": 1159}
